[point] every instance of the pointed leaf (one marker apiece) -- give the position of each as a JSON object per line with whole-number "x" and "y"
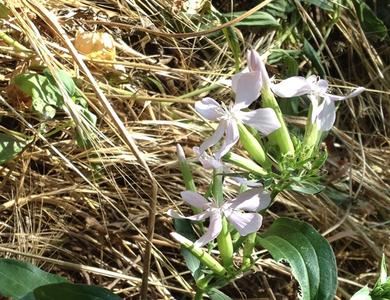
{"x": 69, "y": 291}
{"x": 323, "y": 4}
{"x": 308, "y": 253}
{"x": 18, "y": 278}
{"x": 371, "y": 24}
{"x": 259, "y": 18}
{"x": 215, "y": 294}
{"x": 313, "y": 57}
{"x": 184, "y": 227}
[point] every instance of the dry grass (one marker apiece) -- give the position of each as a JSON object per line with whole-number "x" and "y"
{"x": 84, "y": 213}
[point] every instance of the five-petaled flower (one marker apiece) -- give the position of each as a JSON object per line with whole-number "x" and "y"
{"x": 247, "y": 88}
{"x": 252, "y": 200}
{"x": 323, "y": 107}
{"x": 262, "y": 119}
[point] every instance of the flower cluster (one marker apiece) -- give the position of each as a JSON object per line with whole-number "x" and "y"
{"x": 238, "y": 122}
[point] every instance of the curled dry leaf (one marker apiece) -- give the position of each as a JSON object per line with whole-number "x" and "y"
{"x": 96, "y": 45}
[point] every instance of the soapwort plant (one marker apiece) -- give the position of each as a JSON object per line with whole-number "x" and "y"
{"x": 219, "y": 240}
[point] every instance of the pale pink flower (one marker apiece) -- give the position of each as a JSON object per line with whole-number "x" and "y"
{"x": 252, "y": 200}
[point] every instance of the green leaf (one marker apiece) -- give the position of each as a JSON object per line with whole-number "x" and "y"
{"x": 231, "y": 38}
{"x": 184, "y": 227}
{"x": 84, "y": 136}
{"x": 323, "y": 4}
{"x": 371, "y": 24}
{"x": 9, "y": 147}
{"x": 307, "y": 188}
{"x": 278, "y": 55}
{"x": 338, "y": 197}
{"x": 69, "y": 291}
{"x": 279, "y": 8}
{"x": 65, "y": 78}
{"x": 259, "y": 18}
{"x": 310, "y": 256}
{"x": 18, "y": 278}
{"x": 215, "y": 294}
{"x": 381, "y": 289}
{"x": 45, "y": 96}
{"x": 313, "y": 57}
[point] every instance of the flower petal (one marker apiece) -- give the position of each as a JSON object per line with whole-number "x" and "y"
{"x": 292, "y": 87}
{"x": 247, "y": 87}
{"x": 236, "y": 78}
{"x": 253, "y": 60}
{"x": 209, "y": 108}
{"x": 180, "y": 153}
{"x": 208, "y": 161}
{"x": 194, "y": 199}
{"x": 264, "y": 74}
{"x": 326, "y": 115}
{"x": 314, "y": 99}
{"x": 247, "y": 182}
{"x": 263, "y": 119}
{"x": 232, "y": 136}
{"x": 216, "y": 136}
{"x": 214, "y": 229}
{"x": 198, "y": 217}
{"x": 251, "y": 200}
{"x": 245, "y": 223}
{"x": 322, "y": 86}
{"x": 354, "y": 93}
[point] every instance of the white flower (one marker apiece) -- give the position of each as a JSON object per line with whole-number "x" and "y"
{"x": 252, "y": 200}
{"x": 247, "y": 88}
{"x": 324, "y": 110}
{"x": 262, "y": 119}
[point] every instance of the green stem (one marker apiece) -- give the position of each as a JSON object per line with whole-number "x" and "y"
{"x": 281, "y": 137}
{"x": 200, "y": 254}
{"x": 245, "y": 163}
{"x": 253, "y": 146}
{"x": 311, "y": 138}
{"x": 200, "y": 91}
{"x": 225, "y": 244}
{"x": 187, "y": 178}
{"x": 185, "y": 170}
{"x": 199, "y": 294}
{"x": 249, "y": 244}
{"x": 224, "y": 239}
{"x": 217, "y": 186}
{"x": 11, "y": 42}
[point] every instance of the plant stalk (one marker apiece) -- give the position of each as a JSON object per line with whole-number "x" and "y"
{"x": 253, "y": 146}
{"x": 281, "y": 136}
